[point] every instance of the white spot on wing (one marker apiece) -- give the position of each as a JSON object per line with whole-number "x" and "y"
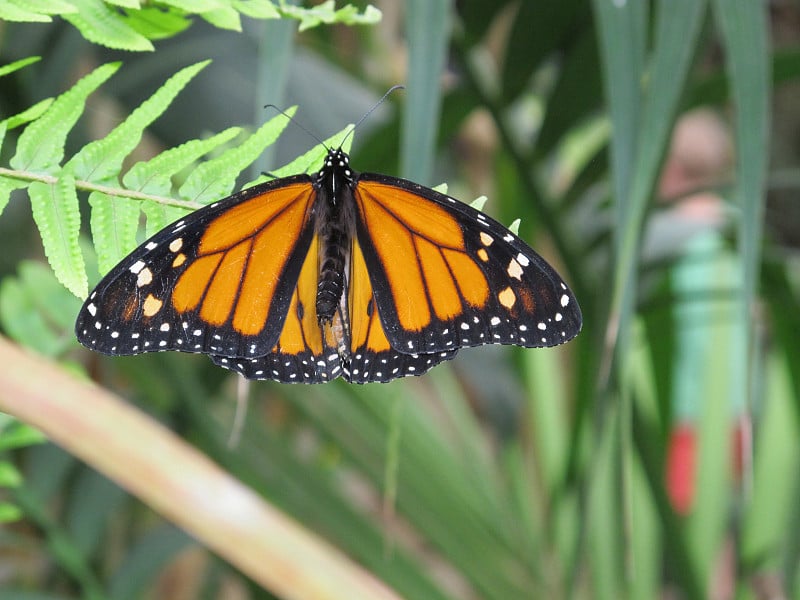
{"x": 514, "y": 270}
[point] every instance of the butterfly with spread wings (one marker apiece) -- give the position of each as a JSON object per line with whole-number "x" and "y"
{"x": 338, "y": 274}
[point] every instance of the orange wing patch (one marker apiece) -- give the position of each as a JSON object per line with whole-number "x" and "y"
{"x": 371, "y": 356}
{"x": 443, "y": 278}
{"x": 366, "y": 331}
{"x": 240, "y": 258}
{"x": 301, "y": 330}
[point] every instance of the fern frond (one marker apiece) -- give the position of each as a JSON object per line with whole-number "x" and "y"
{"x": 114, "y": 221}
{"x": 327, "y": 14}
{"x": 224, "y": 17}
{"x": 28, "y": 115}
{"x": 215, "y": 178}
{"x": 154, "y": 176}
{"x": 18, "y": 64}
{"x": 127, "y": 25}
{"x": 97, "y": 168}
{"x": 257, "y": 9}
{"x": 101, "y": 24}
{"x": 41, "y": 146}
{"x": 58, "y": 217}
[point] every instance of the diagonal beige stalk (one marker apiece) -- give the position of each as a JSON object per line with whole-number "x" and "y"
{"x": 179, "y": 482}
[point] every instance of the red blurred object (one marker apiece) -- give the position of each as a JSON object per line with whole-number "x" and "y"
{"x": 682, "y": 458}
{"x": 681, "y": 455}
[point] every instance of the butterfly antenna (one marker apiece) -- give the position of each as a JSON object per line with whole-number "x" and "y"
{"x": 297, "y": 123}
{"x": 371, "y": 110}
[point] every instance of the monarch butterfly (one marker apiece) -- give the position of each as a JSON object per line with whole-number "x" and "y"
{"x": 339, "y": 274}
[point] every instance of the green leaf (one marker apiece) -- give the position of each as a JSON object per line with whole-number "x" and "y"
{"x": 194, "y": 6}
{"x": 16, "y": 434}
{"x": 9, "y": 512}
{"x": 537, "y": 30}
{"x": 7, "y": 186}
{"x": 744, "y": 27}
{"x": 224, "y": 18}
{"x": 29, "y": 114}
{"x": 41, "y": 146}
{"x": 428, "y": 26}
{"x": 215, "y": 178}
{"x": 11, "y": 11}
{"x": 144, "y": 561}
{"x": 101, "y": 24}
{"x": 155, "y": 176}
{"x": 100, "y": 161}
{"x": 155, "y": 23}
{"x": 18, "y": 64}
{"x": 47, "y": 7}
{"x": 131, "y": 4}
{"x": 57, "y": 215}
{"x": 257, "y": 9}
{"x": 326, "y": 13}
{"x": 114, "y": 221}
{"x": 9, "y": 476}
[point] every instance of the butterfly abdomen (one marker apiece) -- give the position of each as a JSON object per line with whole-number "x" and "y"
{"x": 331, "y": 275}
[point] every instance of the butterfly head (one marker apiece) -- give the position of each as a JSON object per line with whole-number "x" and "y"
{"x": 335, "y": 173}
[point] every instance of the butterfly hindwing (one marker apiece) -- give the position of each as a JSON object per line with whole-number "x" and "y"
{"x": 301, "y": 354}
{"x": 447, "y": 276}
{"x": 372, "y": 357}
{"x": 219, "y": 281}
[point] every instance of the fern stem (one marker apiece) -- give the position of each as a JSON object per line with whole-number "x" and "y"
{"x": 88, "y": 186}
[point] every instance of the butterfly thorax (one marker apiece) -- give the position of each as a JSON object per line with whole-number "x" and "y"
{"x": 334, "y": 227}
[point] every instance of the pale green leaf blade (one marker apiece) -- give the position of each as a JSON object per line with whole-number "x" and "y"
{"x": 745, "y": 27}
{"x": 132, "y": 4}
{"x": 18, "y": 64}
{"x": 326, "y": 13}
{"x": 194, "y": 6}
{"x": 101, "y": 24}
{"x": 41, "y": 146}
{"x": 101, "y": 160}
{"x": 57, "y": 215}
{"x": 224, "y": 18}
{"x": 36, "y": 310}
{"x": 8, "y": 185}
{"x": 155, "y": 176}
{"x": 156, "y": 23}
{"x": 48, "y": 7}
{"x": 114, "y": 223}
{"x": 428, "y": 26}
{"x": 257, "y": 9}
{"x": 29, "y": 114}
{"x": 10, "y": 11}
{"x": 215, "y": 178}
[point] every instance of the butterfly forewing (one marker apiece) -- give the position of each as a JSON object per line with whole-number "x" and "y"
{"x": 219, "y": 281}
{"x": 465, "y": 280}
